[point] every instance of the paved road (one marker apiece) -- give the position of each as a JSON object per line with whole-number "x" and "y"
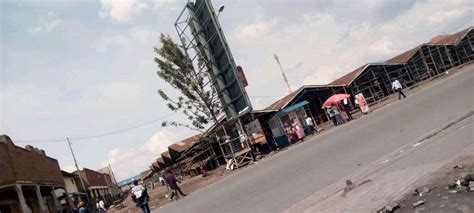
{"x": 294, "y": 175}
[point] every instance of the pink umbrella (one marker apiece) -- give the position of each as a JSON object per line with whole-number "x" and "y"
{"x": 333, "y": 100}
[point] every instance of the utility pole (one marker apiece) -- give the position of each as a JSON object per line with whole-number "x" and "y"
{"x": 283, "y": 73}
{"x": 79, "y": 173}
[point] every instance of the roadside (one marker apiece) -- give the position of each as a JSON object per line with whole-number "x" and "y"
{"x": 392, "y": 178}
{"x": 190, "y": 185}
{"x": 434, "y": 194}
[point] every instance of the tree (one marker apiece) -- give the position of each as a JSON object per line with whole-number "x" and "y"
{"x": 197, "y": 100}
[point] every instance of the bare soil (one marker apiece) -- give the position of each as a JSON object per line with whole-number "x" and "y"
{"x": 440, "y": 198}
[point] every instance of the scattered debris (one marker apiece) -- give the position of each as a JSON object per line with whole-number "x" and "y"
{"x": 416, "y": 192}
{"x": 364, "y": 182}
{"x": 426, "y": 189}
{"x": 458, "y": 167}
{"x": 452, "y": 185}
{"x": 442, "y": 206}
{"x": 349, "y": 186}
{"x": 391, "y": 206}
{"x": 418, "y": 203}
{"x": 452, "y": 191}
{"x": 416, "y": 144}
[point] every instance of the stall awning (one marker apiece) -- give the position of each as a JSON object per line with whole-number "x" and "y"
{"x": 292, "y": 107}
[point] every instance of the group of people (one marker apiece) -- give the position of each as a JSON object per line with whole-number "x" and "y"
{"x": 140, "y": 193}
{"x": 83, "y": 208}
{"x": 294, "y": 132}
{"x": 340, "y": 113}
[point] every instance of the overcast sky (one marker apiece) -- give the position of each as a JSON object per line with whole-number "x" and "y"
{"x": 80, "y": 68}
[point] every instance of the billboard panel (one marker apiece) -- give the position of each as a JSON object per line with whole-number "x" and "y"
{"x": 213, "y": 49}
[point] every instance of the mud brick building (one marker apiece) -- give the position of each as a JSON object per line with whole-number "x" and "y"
{"x": 28, "y": 178}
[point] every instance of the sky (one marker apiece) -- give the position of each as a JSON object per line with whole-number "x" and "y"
{"x": 80, "y": 68}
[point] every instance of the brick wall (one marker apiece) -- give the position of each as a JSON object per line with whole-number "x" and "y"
{"x": 94, "y": 178}
{"x": 30, "y": 165}
{"x": 7, "y": 174}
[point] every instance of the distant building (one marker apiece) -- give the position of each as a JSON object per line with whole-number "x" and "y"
{"x": 28, "y": 179}
{"x": 97, "y": 185}
{"x": 125, "y": 185}
{"x": 69, "y": 196}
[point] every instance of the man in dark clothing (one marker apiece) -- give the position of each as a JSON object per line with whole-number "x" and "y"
{"x": 173, "y": 184}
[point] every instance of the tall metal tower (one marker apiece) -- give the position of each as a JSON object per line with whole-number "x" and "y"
{"x": 283, "y": 73}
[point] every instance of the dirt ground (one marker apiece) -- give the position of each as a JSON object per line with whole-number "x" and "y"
{"x": 439, "y": 197}
{"x": 158, "y": 199}
{"x": 189, "y": 185}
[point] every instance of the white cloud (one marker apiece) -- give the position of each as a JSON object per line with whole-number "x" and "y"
{"x": 255, "y": 30}
{"x": 136, "y": 159}
{"x": 47, "y": 23}
{"x": 168, "y": 3}
{"x": 160, "y": 141}
{"x": 325, "y": 45}
{"x": 121, "y": 10}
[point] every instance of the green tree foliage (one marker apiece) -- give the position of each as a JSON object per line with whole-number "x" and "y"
{"x": 196, "y": 101}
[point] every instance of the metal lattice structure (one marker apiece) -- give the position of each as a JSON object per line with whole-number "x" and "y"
{"x": 204, "y": 42}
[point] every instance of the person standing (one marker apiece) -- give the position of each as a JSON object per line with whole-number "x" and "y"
{"x": 140, "y": 196}
{"x": 337, "y": 115}
{"x": 331, "y": 116}
{"x": 172, "y": 182}
{"x": 311, "y": 125}
{"x": 298, "y": 130}
{"x": 82, "y": 207}
{"x": 347, "y": 107}
{"x": 398, "y": 87}
{"x": 101, "y": 206}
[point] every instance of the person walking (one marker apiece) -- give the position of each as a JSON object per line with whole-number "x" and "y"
{"x": 172, "y": 182}
{"x": 140, "y": 196}
{"x": 398, "y": 87}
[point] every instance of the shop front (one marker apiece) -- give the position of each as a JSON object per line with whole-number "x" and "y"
{"x": 285, "y": 117}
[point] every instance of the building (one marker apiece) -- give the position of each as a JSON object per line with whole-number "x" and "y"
{"x": 96, "y": 184}
{"x": 69, "y": 196}
{"x": 28, "y": 179}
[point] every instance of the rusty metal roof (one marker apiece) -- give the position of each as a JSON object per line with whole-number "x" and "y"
{"x": 184, "y": 144}
{"x": 404, "y": 57}
{"x": 349, "y": 77}
{"x": 160, "y": 160}
{"x": 166, "y": 155}
{"x": 450, "y": 39}
{"x": 277, "y": 105}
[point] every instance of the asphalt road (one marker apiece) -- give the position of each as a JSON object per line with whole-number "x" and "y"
{"x": 293, "y": 175}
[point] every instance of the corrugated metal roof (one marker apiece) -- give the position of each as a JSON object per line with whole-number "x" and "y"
{"x": 450, "y": 39}
{"x": 349, "y": 77}
{"x": 160, "y": 160}
{"x": 184, "y": 144}
{"x": 277, "y": 105}
{"x": 166, "y": 155}
{"x": 404, "y": 57}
